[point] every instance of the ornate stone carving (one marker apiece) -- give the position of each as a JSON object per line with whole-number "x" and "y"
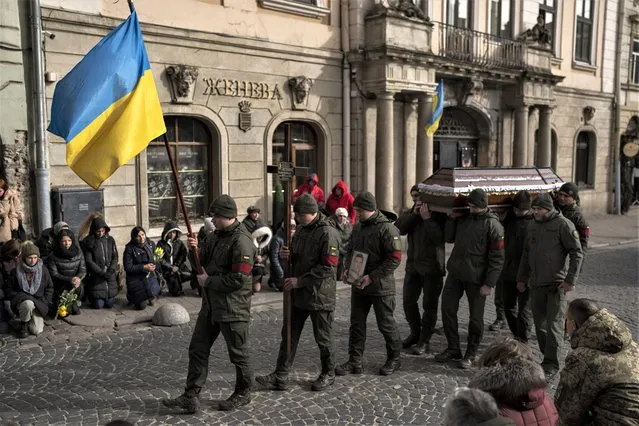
{"x": 588, "y": 114}
{"x": 300, "y": 88}
{"x": 471, "y": 87}
{"x": 537, "y": 34}
{"x": 182, "y": 80}
{"x": 244, "y": 119}
{"x": 399, "y": 8}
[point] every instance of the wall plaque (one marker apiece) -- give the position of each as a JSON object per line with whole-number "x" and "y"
{"x": 244, "y": 121}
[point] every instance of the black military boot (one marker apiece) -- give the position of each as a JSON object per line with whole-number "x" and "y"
{"x": 420, "y": 348}
{"x": 410, "y": 340}
{"x": 468, "y": 361}
{"x": 236, "y": 400}
{"x": 499, "y": 324}
{"x": 449, "y": 355}
{"x": 272, "y": 382}
{"x": 391, "y": 365}
{"x": 23, "y": 331}
{"x": 323, "y": 381}
{"x": 349, "y": 367}
{"x": 190, "y": 403}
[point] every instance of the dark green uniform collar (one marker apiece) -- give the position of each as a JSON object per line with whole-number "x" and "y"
{"x": 228, "y": 230}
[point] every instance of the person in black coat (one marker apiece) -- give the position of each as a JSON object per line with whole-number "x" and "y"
{"x": 101, "y": 258}
{"x": 30, "y": 291}
{"x": 174, "y": 260}
{"x": 142, "y": 285}
{"x": 9, "y": 259}
{"x": 46, "y": 242}
{"x": 67, "y": 268}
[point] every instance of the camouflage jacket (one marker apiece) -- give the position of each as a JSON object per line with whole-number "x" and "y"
{"x": 599, "y": 384}
{"x": 379, "y": 238}
{"x": 315, "y": 255}
{"x": 227, "y": 257}
{"x": 552, "y": 252}
{"x": 478, "y": 254}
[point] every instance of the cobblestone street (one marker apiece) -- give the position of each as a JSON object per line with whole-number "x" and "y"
{"x": 94, "y": 378}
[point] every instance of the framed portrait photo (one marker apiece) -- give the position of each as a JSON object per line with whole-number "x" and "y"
{"x": 357, "y": 268}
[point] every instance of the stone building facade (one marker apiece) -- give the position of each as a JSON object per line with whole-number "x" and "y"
{"x": 248, "y": 83}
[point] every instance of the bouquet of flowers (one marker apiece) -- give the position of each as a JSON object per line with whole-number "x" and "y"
{"x": 67, "y": 299}
{"x": 158, "y": 255}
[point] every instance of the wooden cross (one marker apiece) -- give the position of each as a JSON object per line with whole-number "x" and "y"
{"x": 286, "y": 171}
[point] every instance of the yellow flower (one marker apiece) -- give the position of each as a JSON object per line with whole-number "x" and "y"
{"x": 62, "y": 311}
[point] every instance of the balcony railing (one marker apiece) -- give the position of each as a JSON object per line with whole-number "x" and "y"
{"x": 477, "y": 48}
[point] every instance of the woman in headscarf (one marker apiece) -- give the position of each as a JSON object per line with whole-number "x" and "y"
{"x": 67, "y": 268}
{"x": 142, "y": 285}
{"x": 101, "y": 258}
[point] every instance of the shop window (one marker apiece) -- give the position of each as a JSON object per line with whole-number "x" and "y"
{"x": 585, "y": 159}
{"x": 190, "y": 142}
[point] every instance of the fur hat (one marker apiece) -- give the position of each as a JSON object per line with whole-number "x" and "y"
{"x": 305, "y": 204}
{"x": 570, "y": 189}
{"x": 478, "y": 198}
{"x": 224, "y": 206}
{"x": 366, "y": 201}
{"x": 29, "y": 249}
{"x": 543, "y": 201}
{"x": 341, "y": 211}
{"x": 522, "y": 200}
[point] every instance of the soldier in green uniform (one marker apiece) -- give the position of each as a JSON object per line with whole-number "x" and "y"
{"x": 474, "y": 267}
{"x": 567, "y": 199}
{"x": 549, "y": 266}
{"x": 315, "y": 254}
{"x": 375, "y": 235}
{"x": 227, "y": 257}
{"x": 425, "y": 270}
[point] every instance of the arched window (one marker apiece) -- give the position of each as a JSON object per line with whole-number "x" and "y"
{"x": 190, "y": 141}
{"x": 585, "y": 159}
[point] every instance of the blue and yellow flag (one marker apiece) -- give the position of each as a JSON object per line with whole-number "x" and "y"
{"x": 107, "y": 107}
{"x": 438, "y": 110}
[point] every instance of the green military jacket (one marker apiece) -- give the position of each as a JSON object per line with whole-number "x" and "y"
{"x": 515, "y": 229}
{"x": 426, "y": 245}
{"x": 599, "y": 384}
{"x": 344, "y": 231}
{"x": 379, "y": 238}
{"x": 573, "y": 213}
{"x": 478, "y": 254}
{"x": 552, "y": 252}
{"x": 227, "y": 257}
{"x": 315, "y": 255}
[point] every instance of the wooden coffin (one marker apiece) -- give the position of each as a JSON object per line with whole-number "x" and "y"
{"x": 447, "y": 189}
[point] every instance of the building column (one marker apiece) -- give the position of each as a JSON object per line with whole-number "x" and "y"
{"x": 384, "y": 152}
{"x": 533, "y": 123}
{"x": 411, "y": 127}
{"x": 520, "y": 142}
{"x": 544, "y": 137}
{"x": 424, "y": 152}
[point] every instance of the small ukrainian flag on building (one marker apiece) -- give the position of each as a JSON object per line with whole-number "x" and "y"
{"x": 438, "y": 110}
{"x": 107, "y": 107}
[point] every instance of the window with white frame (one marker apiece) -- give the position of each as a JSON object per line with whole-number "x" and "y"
{"x": 310, "y": 8}
{"x": 459, "y": 13}
{"x": 499, "y": 15}
{"x": 548, "y": 10}
{"x": 583, "y": 31}
{"x": 634, "y": 75}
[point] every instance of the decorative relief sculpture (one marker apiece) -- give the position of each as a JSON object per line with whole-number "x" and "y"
{"x": 588, "y": 113}
{"x": 244, "y": 121}
{"x": 399, "y": 7}
{"x": 539, "y": 33}
{"x": 300, "y": 87}
{"x": 182, "y": 80}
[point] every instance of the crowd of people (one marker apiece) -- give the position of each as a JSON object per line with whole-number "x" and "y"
{"x": 530, "y": 257}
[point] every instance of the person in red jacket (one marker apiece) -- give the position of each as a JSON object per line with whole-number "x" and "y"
{"x": 508, "y": 372}
{"x": 311, "y": 187}
{"x": 340, "y": 197}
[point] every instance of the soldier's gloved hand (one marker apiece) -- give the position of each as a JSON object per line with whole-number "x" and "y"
{"x": 290, "y": 284}
{"x": 365, "y": 281}
{"x": 284, "y": 253}
{"x": 192, "y": 242}
{"x": 521, "y": 286}
{"x": 566, "y": 287}
{"x": 201, "y": 279}
{"x": 485, "y": 290}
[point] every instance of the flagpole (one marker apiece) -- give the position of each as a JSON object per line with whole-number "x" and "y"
{"x": 178, "y": 188}
{"x": 131, "y": 7}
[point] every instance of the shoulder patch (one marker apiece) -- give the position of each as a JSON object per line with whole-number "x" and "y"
{"x": 575, "y": 234}
{"x": 397, "y": 243}
{"x": 246, "y": 258}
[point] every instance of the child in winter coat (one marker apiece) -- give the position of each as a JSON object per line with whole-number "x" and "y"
{"x": 142, "y": 285}
{"x": 174, "y": 260}
{"x": 30, "y": 291}
{"x": 67, "y": 268}
{"x": 101, "y": 258}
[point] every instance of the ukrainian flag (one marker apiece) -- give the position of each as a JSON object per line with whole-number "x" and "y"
{"x": 107, "y": 107}
{"x": 438, "y": 110}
